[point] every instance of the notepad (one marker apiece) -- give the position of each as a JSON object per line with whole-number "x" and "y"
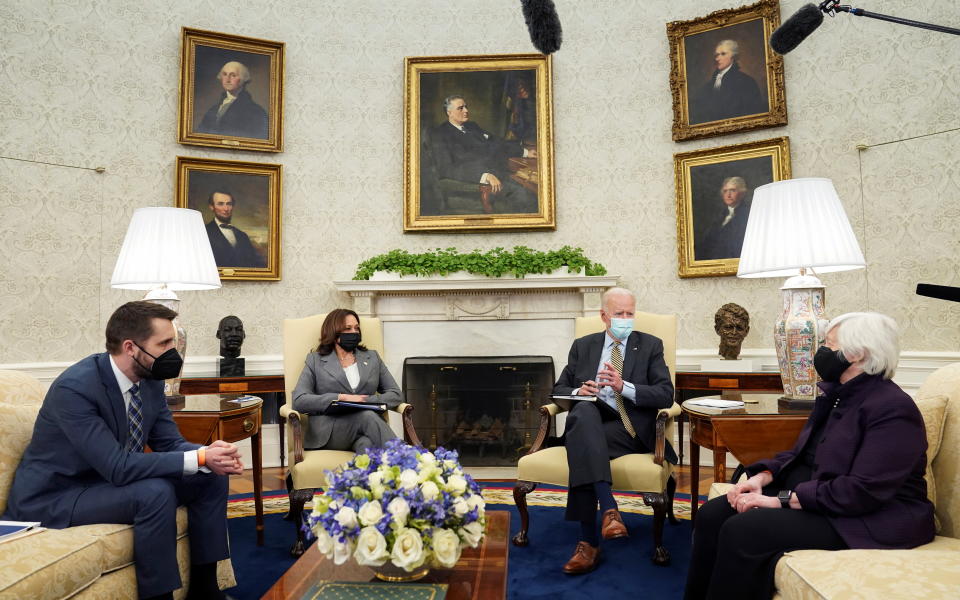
{"x": 715, "y": 403}
{"x": 244, "y": 400}
{"x": 566, "y": 401}
{"x": 339, "y": 408}
{"x": 10, "y": 530}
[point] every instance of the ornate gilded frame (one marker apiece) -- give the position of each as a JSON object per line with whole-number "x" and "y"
{"x": 710, "y": 30}
{"x": 197, "y": 178}
{"x": 263, "y": 58}
{"x": 698, "y": 194}
{"x": 430, "y": 211}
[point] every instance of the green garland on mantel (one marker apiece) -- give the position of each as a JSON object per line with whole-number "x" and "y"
{"x": 492, "y": 263}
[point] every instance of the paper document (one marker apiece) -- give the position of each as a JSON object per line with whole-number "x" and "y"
{"x": 13, "y": 529}
{"x": 715, "y": 403}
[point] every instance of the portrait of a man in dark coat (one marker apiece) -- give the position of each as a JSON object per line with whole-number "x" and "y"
{"x": 728, "y": 92}
{"x": 235, "y": 113}
{"x": 724, "y": 235}
{"x": 231, "y": 246}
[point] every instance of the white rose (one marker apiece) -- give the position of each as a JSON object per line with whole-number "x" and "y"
{"x": 446, "y": 547}
{"x": 427, "y": 458}
{"x": 370, "y": 513}
{"x": 408, "y": 551}
{"x": 449, "y": 464}
{"x": 371, "y": 547}
{"x": 378, "y": 490}
{"x": 341, "y": 552}
{"x": 324, "y": 541}
{"x": 460, "y": 507}
{"x": 408, "y": 479}
{"x": 472, "y": 533}
{"x": 399, "y": 510}
{"x": 456, "y": 485}
{"x": 476, "y": 501}
{"x": 429, "y": 490}
{"x": 347, "y": 517}
{"x": 375, "y": 478}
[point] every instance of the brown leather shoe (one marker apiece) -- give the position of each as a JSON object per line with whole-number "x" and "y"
{"x": 611, "y": 526}
{"x": 585, "y": 559}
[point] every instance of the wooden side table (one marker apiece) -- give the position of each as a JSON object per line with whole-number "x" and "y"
{"x": 208, "y": 417}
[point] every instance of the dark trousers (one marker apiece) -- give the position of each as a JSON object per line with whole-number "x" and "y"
{"x": 150, "y": 505}
{"x": 593, "y": 435}
{"x": 734, "y": 554}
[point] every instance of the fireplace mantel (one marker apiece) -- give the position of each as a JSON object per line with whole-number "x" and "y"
{"x": 453, "y": 298}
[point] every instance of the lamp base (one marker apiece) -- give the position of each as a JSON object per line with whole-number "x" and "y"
{"x": 799, "y": 404}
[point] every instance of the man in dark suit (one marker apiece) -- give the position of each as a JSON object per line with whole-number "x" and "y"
{"x": 235, "y": 113}
{"x": 231, "y": 246}
{"x": 729, "y": 92}
{"x": 626, "y": 371}
{"x": 86, "y": 462}
{"x": 724, "y": 236}
{"x": 463, "y": 151}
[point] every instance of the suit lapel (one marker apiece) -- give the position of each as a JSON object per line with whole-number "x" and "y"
{"x": 114, "y": 398}
{"x": 632, "y": 354}
{"x": 365, "y": 366}
{"x": 333, "y": 368}
{"x": 595, "y": 349}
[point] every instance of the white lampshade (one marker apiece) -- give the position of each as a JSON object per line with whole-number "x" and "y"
{"x": 796, "y": 224}
{"x": 166, "y": 247}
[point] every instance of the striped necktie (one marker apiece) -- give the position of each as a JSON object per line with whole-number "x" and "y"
{"x": 616, "y": 359}
{"x": 135, "y": 420}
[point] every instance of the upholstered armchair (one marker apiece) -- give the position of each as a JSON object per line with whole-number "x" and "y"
{"x": 307, "y": 467}
{"x": 648, "y": 474}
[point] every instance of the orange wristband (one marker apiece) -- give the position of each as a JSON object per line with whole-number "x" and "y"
{"x": 201, "y": 457}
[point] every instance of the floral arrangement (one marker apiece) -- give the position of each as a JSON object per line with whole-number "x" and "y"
{"x": 399, "y": 503}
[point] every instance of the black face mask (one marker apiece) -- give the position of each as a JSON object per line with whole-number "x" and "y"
{"x": 830, "y": 364}
{"x": 165, "y": 366}
{"x": 349, "y": 341}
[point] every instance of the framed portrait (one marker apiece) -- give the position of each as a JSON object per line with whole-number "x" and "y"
{"x": 724, "y": 77}
{"x": 714, "y": 194}
{"x": 231, "y": 91}
{"x": 240, "y": 203}
{"x": 478, "y": 143}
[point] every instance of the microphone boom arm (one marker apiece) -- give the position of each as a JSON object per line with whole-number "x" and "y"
{"x": 832, "y": 6}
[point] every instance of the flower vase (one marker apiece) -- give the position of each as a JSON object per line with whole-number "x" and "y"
{"x": 394, "y": 574}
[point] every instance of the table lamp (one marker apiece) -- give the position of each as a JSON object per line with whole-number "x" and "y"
{"x": 798, "y": 228}
{"x": 165, "y": 250}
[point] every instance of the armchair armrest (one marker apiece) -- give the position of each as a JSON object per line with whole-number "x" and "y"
{"x": 664, "y": 417}
{"x": 406, "y": 414}
{"x": 294, "y": 420}
{"x": 547, "y": 412}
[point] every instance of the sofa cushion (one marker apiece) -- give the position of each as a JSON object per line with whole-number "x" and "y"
{"x": 16, "y": 423}
{"x": 54, "y": 563}
{"x": 933, "y": 409}
{"x": 116, "y": 540}
{"x": 931, "y": 571}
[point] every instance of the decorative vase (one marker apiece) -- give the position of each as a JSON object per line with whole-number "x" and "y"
{"x": 394, "y": 574}
{"x": 798, "y": 332}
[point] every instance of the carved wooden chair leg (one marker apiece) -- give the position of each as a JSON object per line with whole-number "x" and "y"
{"x": 297, "y": 499}
{"x": 520, "y": 491}
{"x": 671, "y": 491}
{"x": 661, "y": 557}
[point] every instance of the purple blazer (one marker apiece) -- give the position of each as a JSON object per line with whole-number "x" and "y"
{"x": 868, "y": 478}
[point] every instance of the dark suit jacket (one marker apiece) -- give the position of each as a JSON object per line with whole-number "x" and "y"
{"x": 244, "y": 118}
{"x": 79, "y": 440}
{"x": 868, "y": 477}
{"x": 738, "y": 95}
{"x": 241, "y": 255}
{"x": 724, "y": 241}
{"x": 466, "y": 156}
{"x": 323, "y": 379}
{"x": 643, "y": 366}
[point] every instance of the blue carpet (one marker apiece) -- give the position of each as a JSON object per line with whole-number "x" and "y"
{"x": 533, "y": 572}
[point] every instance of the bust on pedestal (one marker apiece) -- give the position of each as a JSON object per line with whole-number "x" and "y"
{"x": 732, "y": 324}
{"x": 231, "y": 335}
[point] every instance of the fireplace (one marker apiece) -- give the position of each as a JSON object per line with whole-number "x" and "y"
{"x": 485, "y": 407}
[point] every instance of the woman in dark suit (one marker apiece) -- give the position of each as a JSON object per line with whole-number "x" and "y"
{"x": 854, "y": 478}
{"x": 341, "y": 369}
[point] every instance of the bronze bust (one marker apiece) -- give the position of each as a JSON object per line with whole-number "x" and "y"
{"x": 732, "y": 324}
{"x": 231, "y": 335}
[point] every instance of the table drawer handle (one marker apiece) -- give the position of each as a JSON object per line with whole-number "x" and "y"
{"x": 248, "y": 425}
{"x": 234, "y": 387}
{"x": 723, "y": 383}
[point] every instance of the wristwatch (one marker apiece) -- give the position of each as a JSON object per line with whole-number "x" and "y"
{"x": 784, "y": 498}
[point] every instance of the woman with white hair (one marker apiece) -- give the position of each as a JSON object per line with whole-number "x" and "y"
{"x": 854, "y": 478}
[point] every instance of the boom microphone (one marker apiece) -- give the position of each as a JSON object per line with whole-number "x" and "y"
{"x": 796, "y": 29}
{"x": 941, "y": 292}
{"x": 543, "y": 24}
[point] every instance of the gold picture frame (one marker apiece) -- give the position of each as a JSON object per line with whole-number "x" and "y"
{"x": 247, "y": 199}
{"x": 709, "y": 234}
{"x": 735, "y": 44}
{"x": 231, "y": 91}
{"x": 494, "y": 170}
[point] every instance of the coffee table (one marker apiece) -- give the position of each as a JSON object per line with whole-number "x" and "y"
{"x": 481, "y": 573}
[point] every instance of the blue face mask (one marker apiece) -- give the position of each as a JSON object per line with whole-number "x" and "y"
{"x": 621, "y": 328}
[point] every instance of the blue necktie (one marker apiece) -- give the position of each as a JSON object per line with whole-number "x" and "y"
{"x": 135, "y": 420}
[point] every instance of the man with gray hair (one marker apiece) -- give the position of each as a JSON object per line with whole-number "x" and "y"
{"x": 235, "y": 113}
{"x": 729, "y": 92}
{"x": 723, "y": 237}
{"x": 625, "y": 370}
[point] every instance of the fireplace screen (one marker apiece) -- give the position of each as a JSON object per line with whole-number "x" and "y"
{"x": 485, "y": 407}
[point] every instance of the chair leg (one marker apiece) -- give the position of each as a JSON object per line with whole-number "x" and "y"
{"x": 297, "y": 499}
{"x": 661, "y": 557}
{"x": 520, "y": 491}
{"x": 671, "y": 491}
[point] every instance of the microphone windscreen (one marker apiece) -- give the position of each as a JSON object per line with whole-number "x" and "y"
{"x": 796, "y": 29}
{"x": 942, "y": 292}
{"x": 544, "y": 24}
